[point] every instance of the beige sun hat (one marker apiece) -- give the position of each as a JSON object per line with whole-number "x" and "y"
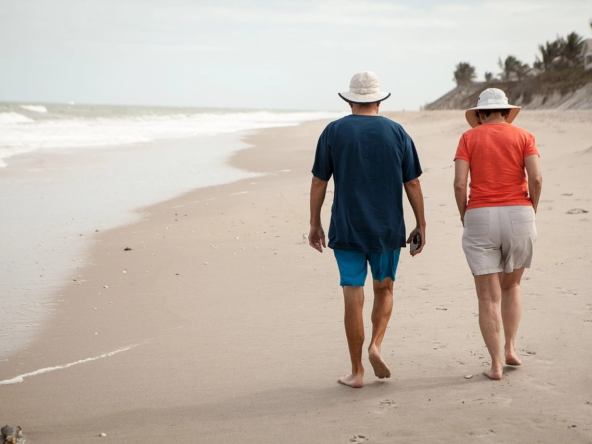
{"x": 491, "y": 98}
{"x": 364, "y": 87}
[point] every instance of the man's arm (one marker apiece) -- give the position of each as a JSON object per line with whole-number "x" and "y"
{"x": 415, "y": 196}
{"x": 461, "y": 175}
{"x": 316, "y": 236}
{"x": 535, "y": 179}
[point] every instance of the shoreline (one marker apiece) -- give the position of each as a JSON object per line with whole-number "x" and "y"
{"x": 56, "y": 201}
{"x": 248, "y": 347}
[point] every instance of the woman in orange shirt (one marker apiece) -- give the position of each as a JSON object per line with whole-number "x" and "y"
{"x": 498, "y": 216}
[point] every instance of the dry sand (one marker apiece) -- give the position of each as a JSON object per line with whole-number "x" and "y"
{"x": 237, "y": 324}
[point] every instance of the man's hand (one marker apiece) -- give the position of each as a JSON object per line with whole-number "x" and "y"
{"x": 421, "y": 232}
{"x": 316, "y": 238}
{"x": 415, "y": 196}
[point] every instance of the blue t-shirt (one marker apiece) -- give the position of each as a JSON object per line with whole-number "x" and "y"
{"x": 369, "y": 157}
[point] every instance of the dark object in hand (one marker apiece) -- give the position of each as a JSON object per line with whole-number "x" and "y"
{"x": 416, "y": 242}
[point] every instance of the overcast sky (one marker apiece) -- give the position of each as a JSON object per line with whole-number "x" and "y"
{"x": 294, "y": 54}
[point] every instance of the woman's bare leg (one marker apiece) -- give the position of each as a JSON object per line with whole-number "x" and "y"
{"x": 489, "y": 294}
{"x": 511, "y": 312}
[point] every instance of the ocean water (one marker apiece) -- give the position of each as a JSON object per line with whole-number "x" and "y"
{"x": 67, "y": 171}
{"x": 27, "y": 128}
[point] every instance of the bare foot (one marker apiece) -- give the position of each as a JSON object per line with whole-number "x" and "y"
{"x": 381, "y": 370}
{"x": 355, "y": 381}
{"x": 512, "y": 358}
{"x": 494, "y": 373}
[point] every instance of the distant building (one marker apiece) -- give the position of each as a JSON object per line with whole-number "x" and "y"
{"x": 587, "y": 54}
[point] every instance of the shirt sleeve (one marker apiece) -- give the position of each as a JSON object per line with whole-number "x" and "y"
{"x": 530, "y": 147}
{"x": 323, "y": 164}
{"x": 410, "y": 166}
{"x": 462, "y": 152}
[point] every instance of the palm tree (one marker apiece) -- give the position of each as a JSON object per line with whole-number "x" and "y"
{"x": 550, "y": 52}
{"x": 572, "y": 50}
{"x": 464, "y": 73}
{"x": 488, "y": 77}
{"x": 512, "y": 68}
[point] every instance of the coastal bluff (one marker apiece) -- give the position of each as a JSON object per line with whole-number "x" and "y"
{"x": 530, "y": 94}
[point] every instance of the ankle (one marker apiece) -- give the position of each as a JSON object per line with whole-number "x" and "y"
{"x": 374, "y": 347}
{"x": 358, "y": 370}
{"x": 498, "y": 365}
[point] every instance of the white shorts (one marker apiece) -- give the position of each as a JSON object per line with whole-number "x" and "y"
{"x": 497, "y": 239}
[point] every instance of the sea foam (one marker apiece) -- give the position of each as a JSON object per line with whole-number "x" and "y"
{"x": 12, "y": 118}
{"x": 42, "y": 129}
{"x": 21, "y": 378}
{"x": 34, "y": 108}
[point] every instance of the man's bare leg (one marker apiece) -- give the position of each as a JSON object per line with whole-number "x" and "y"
{"x": 489, "y": 294}
{"x": 511, "y": 312}
{"x": 381, "y": 313}
{"x": 354, "y": 330}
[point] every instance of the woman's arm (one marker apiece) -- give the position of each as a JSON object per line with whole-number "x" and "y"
{"x": 461, "y": 175}
{"x": 535, "y": 179}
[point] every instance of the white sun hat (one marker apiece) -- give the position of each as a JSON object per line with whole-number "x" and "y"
{"x": 491, "y": 98}
{"x": 364, "y": 87}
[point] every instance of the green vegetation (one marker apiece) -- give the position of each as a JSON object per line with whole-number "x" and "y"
{"x": 562, "y": 54}
{"x": 464, "y": 73}
{"x": 560, "y": 67}
{"x": 512, "y": 69}
{"x": 545, "y": 84}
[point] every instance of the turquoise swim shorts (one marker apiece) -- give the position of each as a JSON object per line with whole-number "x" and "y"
{"x": 353, "y": 266}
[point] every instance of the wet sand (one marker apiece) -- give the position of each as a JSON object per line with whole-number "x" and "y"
{"x": 229, "y": 328}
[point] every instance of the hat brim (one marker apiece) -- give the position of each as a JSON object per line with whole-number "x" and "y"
{"x": 473, "y": 120}
{"x": 364, "y": 98}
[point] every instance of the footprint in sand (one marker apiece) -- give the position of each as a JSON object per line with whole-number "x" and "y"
{"x": 482, "y": 434}
{"x": 384, "y": 405}
{"x": 388, "y": 402}
{"x": 577, "y": 211}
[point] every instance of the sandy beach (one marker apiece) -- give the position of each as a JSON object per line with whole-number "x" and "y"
{"x": 220, "y": 325}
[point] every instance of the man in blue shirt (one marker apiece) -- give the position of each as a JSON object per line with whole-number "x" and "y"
{"x": 371, "y": 159}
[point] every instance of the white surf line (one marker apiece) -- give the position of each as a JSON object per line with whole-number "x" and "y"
{"x": 61, "y": 367}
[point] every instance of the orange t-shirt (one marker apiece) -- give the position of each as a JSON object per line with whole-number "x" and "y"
{"x": 496, "y": 152}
